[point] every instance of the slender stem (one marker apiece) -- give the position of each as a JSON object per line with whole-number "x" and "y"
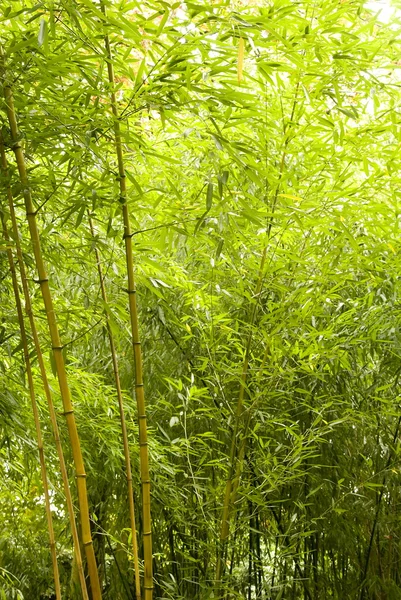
{"x": 376, "y": 519}
{"x": 297, "y": 566}
{"x": 25, "y": 348}
{"x": 228, "y": 496}
{"x": 244, "y": 436}
{"x": 42, "y": 368}
{"x": 120, "y": 573}
{"x": 232, "y": 483}
{"x": 122, "y": 420}
{"x": 250, "y": 551}
{"x": 55, "y": 340}
{"x": 139, "y": 385}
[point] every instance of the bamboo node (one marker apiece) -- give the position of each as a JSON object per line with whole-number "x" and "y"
{"x": 136, "y": 343}
{"x": 144, "y": 444}
{"x": 137, "y": 385}
{"x": 141, "y": 416}
{"x": 128, "y": 235}
{"x": 57, "y": 347}
{"x": 68, "y": 412}
{"x": 32, "y": 214}
{"x": 88, "y": 543}
{"x": 41, "y": 280}
{"x": 80, "y": 475}
{"x": 131, "y": 291}
{"x": 147, "y": 533}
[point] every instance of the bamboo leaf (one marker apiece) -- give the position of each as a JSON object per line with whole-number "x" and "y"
{"x": 42, "y": 35}
{"x": 163, "y": 22}
{"x": 209, "y": 196}
{"x": 240, "y": 60}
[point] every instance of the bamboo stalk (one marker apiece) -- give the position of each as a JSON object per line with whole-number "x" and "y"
{"x": 377, "y": 514}
{"x": 233, "y": 480}
{"x": 24, "y": 341}
{"x": 139, "y": 385}
{"x": 243, "y": 439}
{"x": 56, "y": 343}
{"x": 52, "y": 412}
{"x": 122, "y": 421}
{"x": 228, "y": 495}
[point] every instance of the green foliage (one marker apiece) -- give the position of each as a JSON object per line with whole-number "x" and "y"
{"x": 299, "y": 155}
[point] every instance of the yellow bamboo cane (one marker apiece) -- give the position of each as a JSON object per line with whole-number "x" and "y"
{"x": 122, "y": 420}
{"x": 55, "y": 341}
{"x": 139, "y": 386}
{"x": 34, "y": 410}
{"x": 42, "y": 368}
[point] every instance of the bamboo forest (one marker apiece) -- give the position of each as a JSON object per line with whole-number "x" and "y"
{"x": 200, "y": 300}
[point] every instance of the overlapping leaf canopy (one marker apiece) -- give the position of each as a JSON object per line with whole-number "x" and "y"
{"x": 245, "y": 125}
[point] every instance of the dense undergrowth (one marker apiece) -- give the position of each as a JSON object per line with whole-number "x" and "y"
{"x": 261, "y": 147}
